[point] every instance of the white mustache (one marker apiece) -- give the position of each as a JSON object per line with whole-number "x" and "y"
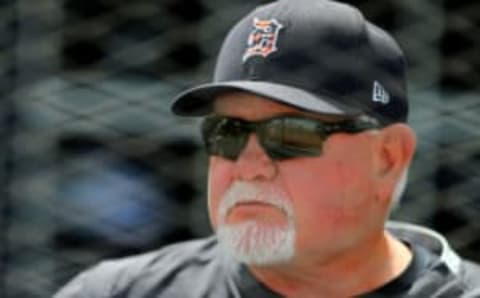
{"x": 247, "y": 192}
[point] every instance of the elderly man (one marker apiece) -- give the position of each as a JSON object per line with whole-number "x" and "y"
{"x": 305, "y": 126}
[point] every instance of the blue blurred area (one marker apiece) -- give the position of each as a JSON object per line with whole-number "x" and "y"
{"x": 117, "y": 196}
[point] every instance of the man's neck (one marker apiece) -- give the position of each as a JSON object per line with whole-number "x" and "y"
{"x": 361, "y": 270}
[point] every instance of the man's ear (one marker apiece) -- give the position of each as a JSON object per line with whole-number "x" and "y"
{"x": 396, "y": 147}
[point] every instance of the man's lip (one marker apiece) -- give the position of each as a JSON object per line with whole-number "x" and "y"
{"x": 260, "y": 204}
{"x": 253, "y": 203}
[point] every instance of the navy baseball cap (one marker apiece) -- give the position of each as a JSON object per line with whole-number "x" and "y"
{"x": 316, "y": 55}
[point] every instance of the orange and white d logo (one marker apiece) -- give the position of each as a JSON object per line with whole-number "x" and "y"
{"x": 262, "y": 41}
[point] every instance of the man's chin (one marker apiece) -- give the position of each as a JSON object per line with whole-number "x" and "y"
{"x": 254, "y": 243}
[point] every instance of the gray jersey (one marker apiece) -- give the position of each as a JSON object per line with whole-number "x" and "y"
{"x": 200, "y": 268}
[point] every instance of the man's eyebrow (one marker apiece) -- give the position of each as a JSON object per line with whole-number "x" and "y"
{"x": 321, "y": 117}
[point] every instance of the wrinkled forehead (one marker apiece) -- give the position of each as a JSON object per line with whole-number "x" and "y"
{"x": 250, "y": 106}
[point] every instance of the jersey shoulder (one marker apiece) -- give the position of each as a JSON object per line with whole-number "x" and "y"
{"x": 156, "y": 269}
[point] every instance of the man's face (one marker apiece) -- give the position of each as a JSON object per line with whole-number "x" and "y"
{"x": 303, "y": 209}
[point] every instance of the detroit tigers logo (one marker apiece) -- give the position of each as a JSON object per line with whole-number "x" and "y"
{"x": 262, "y": 41}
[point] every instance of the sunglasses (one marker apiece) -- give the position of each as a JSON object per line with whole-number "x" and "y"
{"x": 282, "y": 137}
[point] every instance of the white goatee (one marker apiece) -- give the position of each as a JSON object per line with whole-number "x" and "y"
{"x": 253, "y": 242}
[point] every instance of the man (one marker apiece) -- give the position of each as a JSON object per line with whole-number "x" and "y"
{"x": 305, "y": 126}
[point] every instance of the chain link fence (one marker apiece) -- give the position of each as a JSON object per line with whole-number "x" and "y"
{"x": 95, "y": 166}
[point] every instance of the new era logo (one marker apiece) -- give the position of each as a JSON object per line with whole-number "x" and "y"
{"x": 380, "y": 94}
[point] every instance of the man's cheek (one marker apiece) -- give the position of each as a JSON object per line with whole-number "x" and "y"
{"x": 307, "y": 179}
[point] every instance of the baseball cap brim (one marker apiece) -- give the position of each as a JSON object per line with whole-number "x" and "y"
{"x": 198, "y": 101}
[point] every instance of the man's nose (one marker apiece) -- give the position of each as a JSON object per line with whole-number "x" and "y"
{"x": 253, "y": 163}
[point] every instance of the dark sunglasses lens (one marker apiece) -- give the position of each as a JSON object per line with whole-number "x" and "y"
{"x": 224, "y": 137}
{"x": 281, "y": 138}
{"x": 285, "y": 138}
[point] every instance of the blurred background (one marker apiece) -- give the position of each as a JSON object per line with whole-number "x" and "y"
{"x": 95, "y": 166}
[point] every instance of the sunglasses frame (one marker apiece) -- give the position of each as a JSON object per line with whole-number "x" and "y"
{"x": 239, "y": 130}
